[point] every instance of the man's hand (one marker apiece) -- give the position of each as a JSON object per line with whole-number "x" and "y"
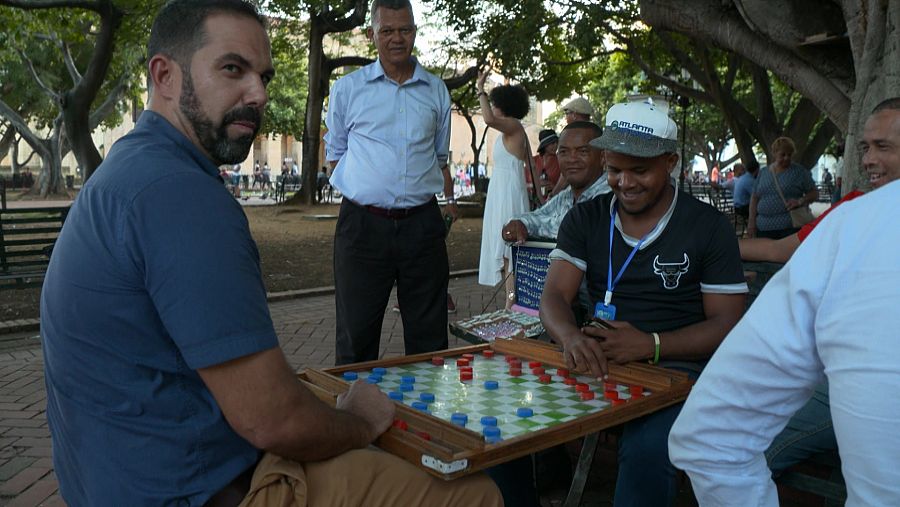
{"x": 451, "y": 209}
{"x": 623, "y": 343}
{"x": 514, "y": 232}
{"x": 371, "y": 405}
{"x": 584, "y": 354}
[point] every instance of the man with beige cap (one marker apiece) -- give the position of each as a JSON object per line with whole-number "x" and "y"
{"x": 578, "y": 109}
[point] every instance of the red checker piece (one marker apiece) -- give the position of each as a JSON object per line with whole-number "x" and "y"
{"x": 544, "y": 379}
{"x": 466, "y": 369}
{"x": 423, "y": 435}
{"x": 569, "y": 381}
{"x": 515, "y": 372}
{"x": 488, "y": 353}
{"x": 562, "y": 372}
{"x": 610, "y": 386}
{"x": 537, "y": 371}
{"x": 616, "y": 403}
{"x": 587, "y": 395}
{"x": 636, "y": 390}
{"x": 400, "y": 424}
{"x": 535, "y": 364}
{"x": 612, "y": 395}
{"x": 510, "y": 359}
{"x": 470, "y": 357}
{"x": 582, "y": 388}
{"x": 465, "y": 375}
{"x": 437, "y": 361}
{"x": 462, "y": 362}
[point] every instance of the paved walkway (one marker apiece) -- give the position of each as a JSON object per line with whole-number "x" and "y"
{"x": 305, "y": 328}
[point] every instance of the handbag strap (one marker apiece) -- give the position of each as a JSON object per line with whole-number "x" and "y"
{"x": 778, "y": 188}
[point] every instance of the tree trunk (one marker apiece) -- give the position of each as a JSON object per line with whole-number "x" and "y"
{"x": 312, "y": 127}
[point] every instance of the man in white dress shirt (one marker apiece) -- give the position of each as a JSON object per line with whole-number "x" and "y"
{"x": 830, "y": 313}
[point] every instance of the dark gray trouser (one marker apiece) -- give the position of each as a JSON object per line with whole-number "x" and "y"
{"x": 371, "y": 254}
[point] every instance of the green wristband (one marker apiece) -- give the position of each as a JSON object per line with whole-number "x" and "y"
{"x": 655, "y": 359}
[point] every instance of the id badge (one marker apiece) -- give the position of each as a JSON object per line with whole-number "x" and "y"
{"x": 605, "y": 311}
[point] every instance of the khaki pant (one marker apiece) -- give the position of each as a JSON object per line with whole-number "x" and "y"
{"x": 362, "y": 477}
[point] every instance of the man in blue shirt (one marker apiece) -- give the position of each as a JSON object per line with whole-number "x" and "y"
{"x": 388, "y": 141}
{"x": 158, "y": 393}
{"x": 743, "y": 187}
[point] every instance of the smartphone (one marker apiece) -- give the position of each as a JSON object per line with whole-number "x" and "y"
{"x": 599, "y": 323}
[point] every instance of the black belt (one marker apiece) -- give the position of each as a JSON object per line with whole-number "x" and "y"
{"x": 394, "y": 213}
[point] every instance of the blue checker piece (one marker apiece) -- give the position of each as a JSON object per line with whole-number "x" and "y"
{"x": 373, "y": 379}
{"x": 379, "y": 370}
{"x": 491, "y": 431}
{"x": 420, "y": 405}
{"x": 491, "y": 385}
{"x": 350, "y": 375}
{"x": 427, "y": 397}
{"x": 524, "y": 412}
{"x": 407, "y": 387}
{"x": 407, "y": 379}
{"x": 459, "y": 419}
{"x": 395, "y": 395}
{"x": 489, "y": 420}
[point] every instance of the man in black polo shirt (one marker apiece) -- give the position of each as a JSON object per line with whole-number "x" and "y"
{"x": 672, "y": 292}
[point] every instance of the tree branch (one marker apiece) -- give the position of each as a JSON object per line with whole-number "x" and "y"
{"x": 70, "y": 63}
{"x": 579, "y": 61}
{"x": 21, "y": 127}
{"x": 50, "y": 4}
{"x": 113, "y": 98}
{"x": 53, "y": 95}
{"x": 653, "y": 74}
{"x": 345, "y": 61}
{"x": 461, "y": 80}
{"x": 332, "y": 23}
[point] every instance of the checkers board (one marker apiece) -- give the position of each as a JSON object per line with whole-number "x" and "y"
{"x": 524, "y": 413}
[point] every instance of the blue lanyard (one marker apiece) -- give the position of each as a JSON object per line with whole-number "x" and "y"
{"x": 610, "y": 283}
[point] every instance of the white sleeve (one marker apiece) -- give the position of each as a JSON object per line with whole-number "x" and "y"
{"x": 763, "y": 372}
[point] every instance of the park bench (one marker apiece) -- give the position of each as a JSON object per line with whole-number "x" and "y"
{"x": 27, "y": 237}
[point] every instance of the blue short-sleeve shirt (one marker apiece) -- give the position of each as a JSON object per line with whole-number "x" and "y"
{"x": 154, "y": 276}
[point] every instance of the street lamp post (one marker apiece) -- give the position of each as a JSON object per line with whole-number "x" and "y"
{"x": 684, "y": 102}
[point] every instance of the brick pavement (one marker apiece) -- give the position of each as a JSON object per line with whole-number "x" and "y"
{"x": 305, "y": 328}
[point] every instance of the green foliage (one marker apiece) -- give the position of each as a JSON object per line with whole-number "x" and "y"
{"x": 42, "y": 36}
{"x": 287, "y": 92}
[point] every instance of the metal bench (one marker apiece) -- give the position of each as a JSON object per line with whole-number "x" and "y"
{"x": 27, "y": 237}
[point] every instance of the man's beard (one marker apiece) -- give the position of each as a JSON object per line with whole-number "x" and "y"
{"x": 214, "y": 139}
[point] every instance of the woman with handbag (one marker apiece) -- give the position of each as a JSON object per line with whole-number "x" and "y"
{"x": 783, "y": 191}
{"x": 503, "y": 110}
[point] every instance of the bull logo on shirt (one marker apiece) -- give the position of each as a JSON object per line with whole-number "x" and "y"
{"x": 671, "y": 272}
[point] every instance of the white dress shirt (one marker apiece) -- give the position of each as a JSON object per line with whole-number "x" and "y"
{"x": 832, "y": 311}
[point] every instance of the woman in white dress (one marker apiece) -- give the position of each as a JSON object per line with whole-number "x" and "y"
{"x": 507, "y": 197}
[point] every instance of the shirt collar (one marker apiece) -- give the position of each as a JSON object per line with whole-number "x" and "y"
{"x": 660, "y": 226}
{"x": 154, "y": 124}
{"x": 376, "y": 71}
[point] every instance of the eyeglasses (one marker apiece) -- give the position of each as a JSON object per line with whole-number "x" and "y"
{"x": 404, "y": 31}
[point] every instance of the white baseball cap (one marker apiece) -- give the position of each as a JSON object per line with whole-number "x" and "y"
{"x": 640, "y": 129}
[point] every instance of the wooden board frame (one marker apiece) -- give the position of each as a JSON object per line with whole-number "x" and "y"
{"x": 454, "y": 451}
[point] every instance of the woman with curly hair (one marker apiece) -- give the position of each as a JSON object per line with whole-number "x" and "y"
{"x": 507, "y": 196}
